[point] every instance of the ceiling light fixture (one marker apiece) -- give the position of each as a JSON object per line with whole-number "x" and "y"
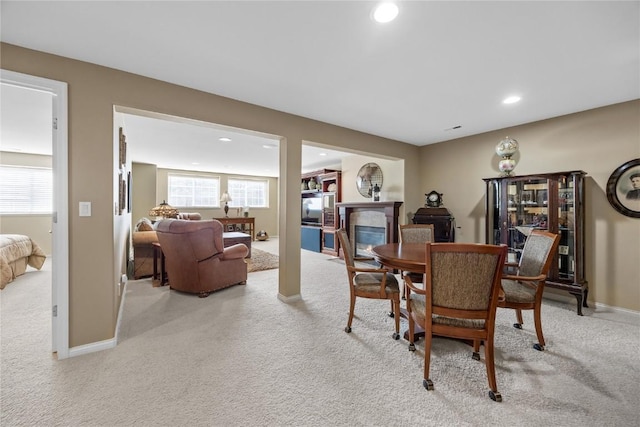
{"x": 224, "y": 139}
{"x": 511, "y": 100}
{"x": 385, "y": 12}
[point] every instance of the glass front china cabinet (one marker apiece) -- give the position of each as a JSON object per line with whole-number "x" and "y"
{"x": 515, "y": 205}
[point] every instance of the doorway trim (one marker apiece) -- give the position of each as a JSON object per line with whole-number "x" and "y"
{"x": 60, "y": 216}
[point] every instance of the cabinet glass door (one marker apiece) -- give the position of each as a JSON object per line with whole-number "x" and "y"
{"x": 566, "y": 228}
{"x": 527, "y": 209}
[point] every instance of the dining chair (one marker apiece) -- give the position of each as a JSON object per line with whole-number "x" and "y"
{"x": 376, "y": 283}
{"x": 459, "y": 300}
{"x": 414, "y": 233}
{"x": 523, "y": 290}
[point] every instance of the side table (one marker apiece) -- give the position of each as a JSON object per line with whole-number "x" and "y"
{"x": 158, "y": 279}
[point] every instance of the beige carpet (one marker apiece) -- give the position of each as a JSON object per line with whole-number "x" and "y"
{"x": 242, "y": 357}
{"x": 261, "y": 260}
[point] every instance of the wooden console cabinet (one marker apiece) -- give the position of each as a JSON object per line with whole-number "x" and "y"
{"x": 239, "y": 224}
{"x": 549, "y": 201}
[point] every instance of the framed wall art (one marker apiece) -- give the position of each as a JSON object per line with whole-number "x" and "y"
{"x": 623, "y": 189}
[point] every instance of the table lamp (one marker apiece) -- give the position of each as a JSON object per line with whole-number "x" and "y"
{"x": 226, "y": 199}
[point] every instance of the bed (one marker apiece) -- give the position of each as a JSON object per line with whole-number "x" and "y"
{"x": 16, "y": 252}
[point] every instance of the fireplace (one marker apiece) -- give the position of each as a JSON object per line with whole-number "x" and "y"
{"x": 366, "y": 237}
{"x": 369, "y": 224}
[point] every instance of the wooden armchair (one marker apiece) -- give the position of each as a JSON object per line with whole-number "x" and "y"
{"x": 415, "y": 233}
{"x": 376, "y": 283}
{"x": 459, "y": 300}
{"x": 523, "y": 290}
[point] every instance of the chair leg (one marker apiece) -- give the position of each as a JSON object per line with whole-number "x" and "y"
{"x": 494, "y": 394}
{"x": 476, "y": 350}
{"x": 352, "y": 305}
{"x": 396, "y": 310}
{"x": 391, "y": 313}
{"x": 519, "y": 319}
{"x": 426, "y": 382}
{"x": 412, "y": 327}
{"x": 538, "y": 323}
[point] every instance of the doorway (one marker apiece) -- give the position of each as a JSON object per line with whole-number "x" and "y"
{"x": 60, "y": 212}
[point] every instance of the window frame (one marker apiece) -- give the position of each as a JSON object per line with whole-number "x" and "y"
{"x": 264, "y": 181}
{"x": 216, "y": 197}
{"x": 49, "y": 209}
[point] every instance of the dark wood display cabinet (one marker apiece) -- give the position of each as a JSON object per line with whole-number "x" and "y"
{"x": 515, "y": 205}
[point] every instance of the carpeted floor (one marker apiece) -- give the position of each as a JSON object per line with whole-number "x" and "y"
{"x": 243, "y": 357}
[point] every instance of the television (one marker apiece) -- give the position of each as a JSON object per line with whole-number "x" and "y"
{"x": 312, "y": 211}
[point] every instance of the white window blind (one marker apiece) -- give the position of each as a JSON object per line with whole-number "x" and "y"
{"x": 193, "y": 191}
{"x": 249, "y": 192}
{"x": 26, "y": 190}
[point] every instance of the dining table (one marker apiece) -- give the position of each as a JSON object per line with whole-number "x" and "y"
{"x": 407, "y": 257}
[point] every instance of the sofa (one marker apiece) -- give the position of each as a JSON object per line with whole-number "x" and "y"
{"x": 143, "y": 236}
{"x": 196, "y": 259}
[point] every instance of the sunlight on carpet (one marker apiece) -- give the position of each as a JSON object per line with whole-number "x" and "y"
{"x": 261, "y": 260}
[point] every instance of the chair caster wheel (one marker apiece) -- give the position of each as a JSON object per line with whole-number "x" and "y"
{"x": 517, "y": 325}
{"x": 495, "y": 396}
{"x": 538, "y": 347}
{"x": 396, "y": 336}
{"x": 428, "y": 384}
{"x": 475, "y": 355}
{"x": 347, "y": 329}
{"x": 412, "y": 347}
{"x": 391, "y": 314}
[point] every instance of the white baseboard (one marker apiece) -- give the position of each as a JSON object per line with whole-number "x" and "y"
{"x": 570, "y": 299}
{"x": 289, "y": 300}
{"x": 92, "y": 348}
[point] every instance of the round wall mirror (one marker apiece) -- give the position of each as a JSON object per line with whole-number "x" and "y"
{"x": 368, "y": 176}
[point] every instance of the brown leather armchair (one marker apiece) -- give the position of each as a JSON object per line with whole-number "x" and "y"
{"x": 196, "y": 259}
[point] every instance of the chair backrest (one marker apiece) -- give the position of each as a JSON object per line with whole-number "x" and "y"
{"x": 416, "y": 233}
{"x": 537, "y": 253}
{"x": 345, "y": 244}
{"x": 464, "y": 277}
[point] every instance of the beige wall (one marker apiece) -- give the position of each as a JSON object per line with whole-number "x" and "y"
{"x": 595, "y": 141}
{"x": 38, "y": 227}
{"x": 94, "y": 254}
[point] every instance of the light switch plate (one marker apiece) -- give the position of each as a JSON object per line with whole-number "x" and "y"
{"x": 85, "y": 208}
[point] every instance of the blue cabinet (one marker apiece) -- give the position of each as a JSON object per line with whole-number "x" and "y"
{"x": 311, "y": 238}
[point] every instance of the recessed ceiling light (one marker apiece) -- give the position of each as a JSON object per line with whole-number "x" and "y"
{"x": 224, "y": 139}
{"x": 195, "y": 163}
{"x": 511, "y": 100}
{"x": 385, "y": 12}
{"x": 322, "y": 154}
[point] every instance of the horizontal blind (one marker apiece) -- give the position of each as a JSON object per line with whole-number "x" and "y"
{"x": 193, "y": 191}
{"x": 248, "y": 192}
{"x": 26, "y": 190}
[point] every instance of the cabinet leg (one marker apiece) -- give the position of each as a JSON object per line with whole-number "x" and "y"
{"x": 582, "y": 301}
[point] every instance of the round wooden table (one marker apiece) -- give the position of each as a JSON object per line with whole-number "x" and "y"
{"x": 401, "y": 256}
{"x": 405, "y": 257}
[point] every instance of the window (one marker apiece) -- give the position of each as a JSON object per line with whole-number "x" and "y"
{"x": 26, "y": 190}
{"x": 192, "y": 190}
{"x": 249, "y": 192}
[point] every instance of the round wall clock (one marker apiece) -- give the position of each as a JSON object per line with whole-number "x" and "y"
{"x": 368, "y": 176}
{"x": 434, "y": 199}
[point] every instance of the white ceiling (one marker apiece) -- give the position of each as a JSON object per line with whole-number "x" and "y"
{"x": 437, "y": 66}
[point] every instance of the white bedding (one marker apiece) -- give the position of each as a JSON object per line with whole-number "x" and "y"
{"x": 16, "y": 252}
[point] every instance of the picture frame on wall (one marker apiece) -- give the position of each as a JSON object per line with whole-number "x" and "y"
{"x": 129, "y": 196}
{"x": 623, "y": 189}
{"x": 122, "y": 152}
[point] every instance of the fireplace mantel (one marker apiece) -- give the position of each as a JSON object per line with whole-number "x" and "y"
{"x": 390, "y": 210}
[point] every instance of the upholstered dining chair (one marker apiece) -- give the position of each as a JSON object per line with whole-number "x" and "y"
{"x": 376, "y": 283}
{"x": 523, "y": 290}
{"x": 459, "y": 300}
{"x": 414, "y": 233}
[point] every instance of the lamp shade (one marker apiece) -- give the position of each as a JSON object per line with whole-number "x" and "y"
{"x": 225, "y": 197}
{"x": 164, "y": 210}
